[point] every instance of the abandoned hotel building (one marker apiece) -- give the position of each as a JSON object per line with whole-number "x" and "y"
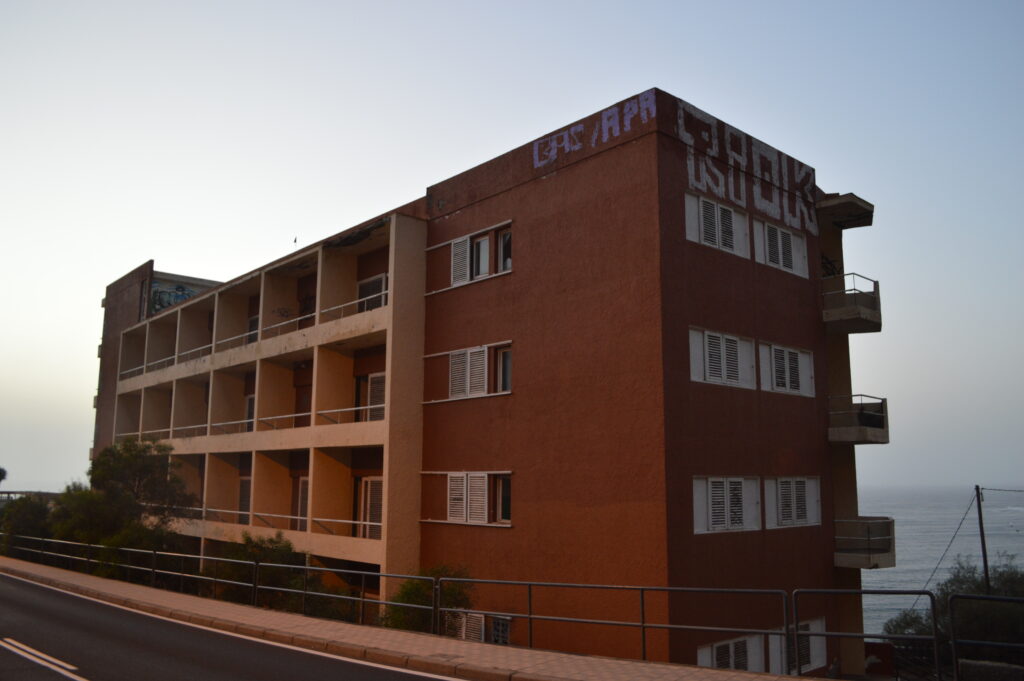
{"x": 654, "y": 390}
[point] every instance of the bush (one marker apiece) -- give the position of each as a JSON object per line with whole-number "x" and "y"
{"x": 421, "y": 592}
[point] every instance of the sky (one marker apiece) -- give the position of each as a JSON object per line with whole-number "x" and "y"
{"x": 214, "y": 136}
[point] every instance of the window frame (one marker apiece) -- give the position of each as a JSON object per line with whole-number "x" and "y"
{"x": 502, "y": 379}
{"x": 702, "y": 365}
{"x": 747, "y": 502}
{"x": 698, "y": 210}
{"x": 503, "y": 239}
{"x": 793, "y": 360}
{"x": 475, "y": 498}
{"x": 774, "y": 516}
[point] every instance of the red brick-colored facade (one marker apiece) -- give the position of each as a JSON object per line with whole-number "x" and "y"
{"x": 605, "y": 432}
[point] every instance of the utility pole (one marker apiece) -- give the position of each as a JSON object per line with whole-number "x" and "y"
{"x": 981, "y": 529}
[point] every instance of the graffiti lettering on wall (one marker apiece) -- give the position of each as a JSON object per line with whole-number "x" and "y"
{"x": 731, "y": 165}
{"x": 164, "y": 294}
{"x": 611, "y": 123}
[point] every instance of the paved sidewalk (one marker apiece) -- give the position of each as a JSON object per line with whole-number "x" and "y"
{"x": 422, "y": 652}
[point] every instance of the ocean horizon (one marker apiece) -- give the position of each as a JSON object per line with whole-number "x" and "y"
{"x": 926, "y": 518}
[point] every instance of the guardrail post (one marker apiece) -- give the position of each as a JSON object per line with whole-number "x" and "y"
{"x": 255, "y": 581}
{"x": 435, "y": 601}
{"x": 952, "y": 638}
{"x": 643, "y": 626}
{"x": 152, "y": 570}
{"x": 305, "y": 586}
{"x": 362, "y": 597}
{"x": 181, "y": 575}
{"x": 529, "y": 614}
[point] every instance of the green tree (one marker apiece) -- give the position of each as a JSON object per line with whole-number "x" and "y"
{"x": 3, "y": 474}
{"x": 28, "y": 516}
{"x": 976, "y": 620}
{"x": 421, "y": 592}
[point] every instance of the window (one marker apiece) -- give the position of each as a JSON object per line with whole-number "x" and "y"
{"x": 787, "y": 370}
{"x": 468, "y": 371}
{"x": 372, "y": 293}
{"x": 780, "y": 248}
{"x": 745, "y": 653}
{"x": 301, "y": 508}
{"x": 792, "y": 501}
{"x": 501, "y": 627}
{"x": 376, "y": 397}
{"x": 502, "y": 498}
{"x": 503, "y": 369}
{"x": 481, "y": 256}
{"x": 244, "y": 499}
{"x": 250, "y": 412}
{"x": 505, "y": 250}
{"x": 253, "y": 329}
{"x": 479, "y": 498}
{"x": 371, "y": 507}
{"x": 468, "y": 626}
{"x": 726, "y": 504}
{"x": 810, "y": 650}
{"x": 716, "y": 225}
{"x": 720, "y": 358}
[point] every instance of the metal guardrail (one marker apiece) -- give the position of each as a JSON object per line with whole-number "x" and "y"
{"x": 285, "y": 420}
{"x": 195, "y": 353}
{"x": 229, "y": 427}
{"x": 160, "y": 363}
{"x": 858, "y": 410}
{"x": 373, "y": 412}
{"x": 955, "y": 642}
{"x": 147, "y": 563}
{"x": 236, "y": 341}
{"x": 281, "y": 328}
{"x": 846, "y": 289}
{"x": 361, "y": 304}
{"x": 134, "y": 371}
{"x": 798, "y": 635}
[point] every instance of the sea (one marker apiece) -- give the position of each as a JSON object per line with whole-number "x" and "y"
{"x": 927, "y": 522}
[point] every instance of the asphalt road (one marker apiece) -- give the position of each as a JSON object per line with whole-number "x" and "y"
{"x": 88, "y": 640}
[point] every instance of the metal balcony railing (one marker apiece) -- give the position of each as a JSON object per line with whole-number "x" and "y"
{"x": 156, "y": 434}
{"x": 231, "y": 427}
{"x": 236, "y": 341}
{"x": 286, "y": 421}
{"x": 866, "y": 542}
{"x": 370, "y": 412}
{"x": 158, "y": 364}
{"x": 851, "y": 304}
{"x": 195, "y": 353}
{"x": 858, "y": 419}
{"x": 189, "y": 431}
{"x": 288, "y": 325}
{"x": 134, "y": 371}
{"x": 352, "y": 307}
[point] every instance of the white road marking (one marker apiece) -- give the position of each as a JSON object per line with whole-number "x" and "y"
{"x": 309, "y": 651}
{"x": 40, "y": 661}
{"x": 32, "y": 651}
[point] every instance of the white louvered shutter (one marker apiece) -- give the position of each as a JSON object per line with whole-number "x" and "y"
{"x": 474, "y": 626}
{"x": 457, "y": 497}
{"x": 800, "y": 501}
{"x": 772, "y": 237}
{"x": 779, "y": 368}
{"x": 716, "y": 505}
{"x": 373, "y": 506}
{"x": 728, "y": 239}
{"x": 477, "y": 371}
{"x": 457, "y": 373}
{"x": 786, "y": 240}
{"x": 739, "y": 655}
{"x": 377, "y": 383}
{"x": 713, "y": 356}
{"x": 736, "y": 503}
{"x": 460, "y": 261}
{"x": 708, "y": 222}
{"x": 785, "y": 488}
{"x": 477, "y": 498}
{"x": 732, "y": 359}
{"x": 793, "y": 359}
{"x": 722, "y": 656}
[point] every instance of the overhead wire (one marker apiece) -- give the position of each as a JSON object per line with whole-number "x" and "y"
{"x": 943, "y": 556}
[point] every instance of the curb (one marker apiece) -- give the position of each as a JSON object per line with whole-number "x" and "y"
{"x": 389, "y": 658}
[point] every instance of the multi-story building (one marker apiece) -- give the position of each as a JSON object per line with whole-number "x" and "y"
{"x": 654, "y": 391}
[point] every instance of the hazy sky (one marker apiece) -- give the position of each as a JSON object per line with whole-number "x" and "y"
{"x": 209, "y": 135}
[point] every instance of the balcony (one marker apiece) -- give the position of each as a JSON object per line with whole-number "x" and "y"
{"x": 858, "y": 420}
{"x": 851, "y": 304}
{"x": 865, "y": 543}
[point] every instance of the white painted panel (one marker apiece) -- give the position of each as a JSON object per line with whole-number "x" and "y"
{"x": 748, "y": 370}
{"x": 696, "y": 355}
{"x": 755, "y": 653}
{"x": 818, "y": 652}
{"x": 765, "y": 360}
{"x": 704, "y": 656}
{"x": 807, "y": 374}
{"x": 692, "y": 218}
{"x": 751, "y": 504}
{"x": 460, "y": 261}
{"x": 741, "y": 234}
{"x": 800, "y": 255}
{"x": 776, "y": 646}
{"x": 771, "y": 508}
{"x": 813, "y": 501}
{"x": 700, "y": 505}
{"x": 759, "y": 241}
